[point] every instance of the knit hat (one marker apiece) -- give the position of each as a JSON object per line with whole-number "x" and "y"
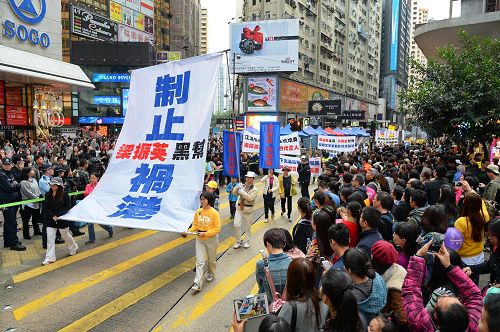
{"x": 384, "y": 253}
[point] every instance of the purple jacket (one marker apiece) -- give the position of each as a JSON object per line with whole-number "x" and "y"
{"x": 418, "y": 317}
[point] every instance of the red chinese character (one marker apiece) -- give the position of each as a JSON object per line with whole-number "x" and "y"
{"x": 125, "y": 151}
{"x": 159, "y": 151}
{"x": 142, "y": 151}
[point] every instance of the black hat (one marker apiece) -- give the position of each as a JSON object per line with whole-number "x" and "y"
{"x": 6, "y": 161}
{"x": 46, "y": 167}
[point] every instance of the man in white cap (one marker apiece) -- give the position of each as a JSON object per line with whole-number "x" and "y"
{"x": 245, "y": 206}
{"x": 491, "y": 190}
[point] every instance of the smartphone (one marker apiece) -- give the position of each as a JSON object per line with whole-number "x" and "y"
{"x": 326, "y": 265}
{"x": 437, "y": 242}
{"x": 252, "y": 306}
{"x": 457, "y": 183}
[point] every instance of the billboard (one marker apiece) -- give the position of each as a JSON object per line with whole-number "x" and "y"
{"x": 265, "y": 46}
{"x": 88, "y": 24}
{"x": 17, "y": 115}
{"x": 107, "y": 100}
{"x": 294, "y": 96}
{"x": 134, "y": 13}
{"x": 165, "y": 56}
{"x": 111, "y": 77}
{"x": 394, "y": 35}
{"x": 324, "y": 107}
{"x": 125, "y": 93}
{"x": 254, "y": 120}
{"x": 100, "y": 120}
{"x": 261, "y": 94}
{"x": 128, "y": 34}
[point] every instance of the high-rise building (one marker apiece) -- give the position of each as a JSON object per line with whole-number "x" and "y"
{"x": 162, "y": 25}
{"x": 203, "y": 31}
{"x": 395, "y": 59}
{"x": 185, "y": 27}
{"x": 419, "y": 16}
{"x": 339, "y": 43}
{"x": 220, "y": 90}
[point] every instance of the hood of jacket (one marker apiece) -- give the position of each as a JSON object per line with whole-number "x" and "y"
{"x": 394, "y": 277}
{"x": 378, "y": 297}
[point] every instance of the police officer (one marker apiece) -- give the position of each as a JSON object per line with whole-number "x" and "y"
{"x": 304, "y": 171}
{"x": 9, "y": 192}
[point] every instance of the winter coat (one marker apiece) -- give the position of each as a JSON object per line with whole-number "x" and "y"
{"x": 52, "y": 207}
{"x": 267, "y": 185}
{"x": 301, "y": 232}
{"x": 433, "y": 189}
{"x": 491, "y": 266}
{"x": 394, "y": 277}
{"x": 95, "y": 166}
{"x": 418, "y": 317}
{"x": 368, "y": 238}
{"x": 9, "y": 188}
{"x": 376, "y": 301}
{"x": 491, "y": 189}
{"x": 415, "y": 216}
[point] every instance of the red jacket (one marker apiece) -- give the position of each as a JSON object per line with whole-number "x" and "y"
{"x": 418, "y": 317}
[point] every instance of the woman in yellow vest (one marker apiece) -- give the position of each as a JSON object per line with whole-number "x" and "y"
{"x": 206, "y": 225}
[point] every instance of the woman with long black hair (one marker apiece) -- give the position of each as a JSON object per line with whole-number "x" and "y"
{"x": 447, "y": 198}
{"x": 337, "y": 293}
{"x": 56, "y": 204}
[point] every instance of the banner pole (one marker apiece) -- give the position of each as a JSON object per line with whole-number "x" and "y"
{"x": 232, "y": 91}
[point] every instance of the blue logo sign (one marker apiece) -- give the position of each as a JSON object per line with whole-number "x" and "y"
{"x": 27, "y": 12}
{"x": 110, "y": 78}
{"x": 107, "y": 100}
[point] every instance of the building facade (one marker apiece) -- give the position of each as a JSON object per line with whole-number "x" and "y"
{"x": 185, "y": 27}
{"x": 339, "y": 44}
{"x": 419, "y": 16}
{"x": 162, "y": 25}
{"x": 221, "y": 93}
{"x": 395, "y": 58}
{"x": 203, "y": 31}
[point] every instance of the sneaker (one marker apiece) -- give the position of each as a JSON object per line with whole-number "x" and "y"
{"x": 266, "y": 220}
{"x": 18, "y": 247}
{"x": 47, "y": 262}
{"x": 90, "y": 242}
{"x": 210, "y": 278}
{"x": 73, "y": 253}
{"x": 237, "y": 245}
{"x": 272, "y": 216}
{"x": 110, "y": 233}
{"x": 246, "y": 245}
{"x": 282, "y": 212}
{"x": 196, "y": 288}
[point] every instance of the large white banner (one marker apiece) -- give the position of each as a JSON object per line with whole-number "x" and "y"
{"x": 337, "y": 144}
{"x": 291, "y": 162}
{"x": 289, "y": 144}
{"x": 387, "y": 137}
{"x": 156, "y": 173}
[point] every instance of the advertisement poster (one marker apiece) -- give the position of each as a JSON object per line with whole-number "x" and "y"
{"x": 115, "y": 11}
{"x": 294, "y": 96}
{"x": 133, "y": 4}
{"x": 127, "y": 16}
{"x": 126, "y": 33}
{"x": 17, "y": 116}
{"x": 261, "y": 94}
{"x": 265, "y": 46}
{"x": 149, "y": 26}
{"x": 254, "y": 120}
{"x": 139, "y": 21}
{"x": 13, "y": 96}
{"x": 88, "y": 24}
{"x": 324, "y": 107}
{"x": 148, "y": 7}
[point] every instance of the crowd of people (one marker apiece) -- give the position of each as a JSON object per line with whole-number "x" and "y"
{"x": 393, "y": 240}
{"x": 49, "y": 169}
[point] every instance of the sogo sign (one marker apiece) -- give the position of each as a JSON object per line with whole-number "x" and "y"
{"x": 26, "y": 11}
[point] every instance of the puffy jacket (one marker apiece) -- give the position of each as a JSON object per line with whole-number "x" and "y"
{"x": 491, "y": 266}
{"x": 10, "y": 189}
{"x": 375, "y": 302}
{"x": 413, "y": 303}
{"x": 415, "y": 216}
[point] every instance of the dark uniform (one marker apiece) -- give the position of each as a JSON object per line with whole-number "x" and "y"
{"x": 10, "y": 192}
{"x": 304, "y": 171}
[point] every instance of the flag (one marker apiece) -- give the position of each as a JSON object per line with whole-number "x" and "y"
{"x": 269, "y": 145}
{"x": 231, "y": 153}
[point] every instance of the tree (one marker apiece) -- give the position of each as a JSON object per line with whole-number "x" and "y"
{"x": 458, "y": 96}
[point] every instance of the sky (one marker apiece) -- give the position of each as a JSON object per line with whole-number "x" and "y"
{"x": 220, "y": 12}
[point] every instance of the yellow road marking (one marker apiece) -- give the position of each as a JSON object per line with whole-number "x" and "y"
{"x": 116, "y": 306}
{"x": 216, "y": 294}
{"x": 85, "y": 254}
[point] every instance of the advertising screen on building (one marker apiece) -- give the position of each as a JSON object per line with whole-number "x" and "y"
{"x": 254, "y": 120}
{"x": 107, "y": 100}
{"x": 88, "y": 24}
{"x": 100, "y": 120}
{"x": 125, "y": 93}
{"x": 324, "y": 107}
{"x": 265, "y": 46}
{"x": 17, "y": 116}
{"x": 111, "y": 77}
{"x": 137, "y": 14}
{"x": 294, "y": 96}
{"x": 394, "y": 35}
{"x": 261, "y": 94}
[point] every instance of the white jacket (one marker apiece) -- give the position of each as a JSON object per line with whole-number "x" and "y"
{"x": 276, "y": 185}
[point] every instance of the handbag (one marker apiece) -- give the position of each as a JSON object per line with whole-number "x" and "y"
{"x": 278, "y": 300}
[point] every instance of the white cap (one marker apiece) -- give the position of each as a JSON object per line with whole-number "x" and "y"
{"x": 250, "y": 175}
{"x": 458, "y": 162}
{"x": 303, "y": 156}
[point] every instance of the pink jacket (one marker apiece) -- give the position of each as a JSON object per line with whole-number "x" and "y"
{"x": 418, "y": 317}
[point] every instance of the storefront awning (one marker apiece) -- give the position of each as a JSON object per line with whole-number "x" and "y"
{"x": 27, "y": 68}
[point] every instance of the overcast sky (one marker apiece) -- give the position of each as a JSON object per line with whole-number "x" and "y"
{"x": 220, "y": 12}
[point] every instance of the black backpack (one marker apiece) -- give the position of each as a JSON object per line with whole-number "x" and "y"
{"x": 301, "y": 232}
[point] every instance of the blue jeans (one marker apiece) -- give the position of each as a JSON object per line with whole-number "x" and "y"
{"x": 92, "y": 232}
